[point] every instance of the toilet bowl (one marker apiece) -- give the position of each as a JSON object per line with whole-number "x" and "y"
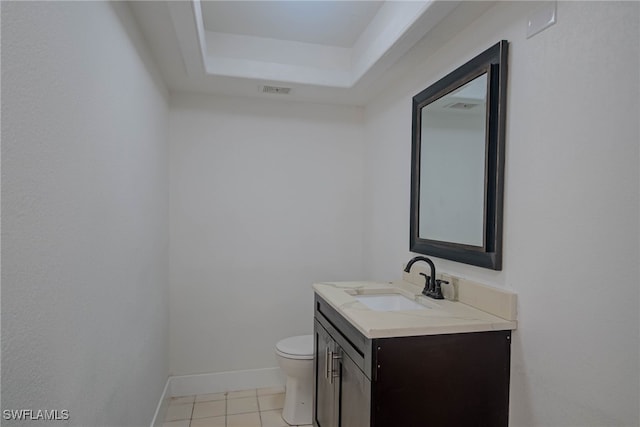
{"x": 295, "y": 357}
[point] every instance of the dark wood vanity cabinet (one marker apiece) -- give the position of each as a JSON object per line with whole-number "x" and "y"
{"x": 452, "y": 380}
{"x": 343, "y": 390}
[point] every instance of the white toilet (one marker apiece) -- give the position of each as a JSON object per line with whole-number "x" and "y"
{"x": 295, "y": 357}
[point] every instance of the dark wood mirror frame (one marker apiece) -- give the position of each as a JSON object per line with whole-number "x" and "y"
{"x": 493, "y": 61}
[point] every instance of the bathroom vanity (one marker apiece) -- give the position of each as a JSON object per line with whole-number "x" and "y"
{"x": 387, "y": 356}
{"x": 442, "y": 363}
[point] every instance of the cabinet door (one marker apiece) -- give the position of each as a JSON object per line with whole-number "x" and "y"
{"x": 326, "y": 389}
{"x": 355, "y": 393}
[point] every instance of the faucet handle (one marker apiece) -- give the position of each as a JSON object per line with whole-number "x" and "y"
{"x": 426, "y": 276}
{"x": 427, "y": 284}
{"x": 437, "y": 291}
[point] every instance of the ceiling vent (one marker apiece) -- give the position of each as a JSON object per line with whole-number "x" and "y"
{"x": 275, "y": 89}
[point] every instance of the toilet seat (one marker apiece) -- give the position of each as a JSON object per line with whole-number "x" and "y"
{"x": 299, "y": 347}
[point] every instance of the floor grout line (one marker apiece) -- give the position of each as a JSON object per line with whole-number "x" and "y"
{"x": 193, "y": 407}
{"x": 259, "y": 411}
{"x": 226, "y": 399}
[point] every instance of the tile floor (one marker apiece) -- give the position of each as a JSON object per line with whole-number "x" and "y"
{"x": 247, "y": 408}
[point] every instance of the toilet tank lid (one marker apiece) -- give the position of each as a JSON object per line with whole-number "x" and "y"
{"x": 301, "y": 345}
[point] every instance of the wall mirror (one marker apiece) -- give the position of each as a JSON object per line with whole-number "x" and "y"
{"x": 457, "y": 162}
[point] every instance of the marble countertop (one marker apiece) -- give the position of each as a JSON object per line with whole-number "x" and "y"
{"x": 438, "y": 316}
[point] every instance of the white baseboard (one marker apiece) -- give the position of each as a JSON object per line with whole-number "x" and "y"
{"x": 163, "y": 404}
{"x": 186, "y": 385}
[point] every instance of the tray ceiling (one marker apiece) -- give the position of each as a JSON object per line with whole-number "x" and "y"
{"x": 323, "y": 51}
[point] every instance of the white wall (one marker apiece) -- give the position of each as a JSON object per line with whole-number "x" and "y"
{"x": 571, "y": 202}
{"x": 266, "y": 199}
{"x": 84, "y": 215}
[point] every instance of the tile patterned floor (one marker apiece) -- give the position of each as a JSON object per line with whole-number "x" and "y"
{"x": 246, "y": 408}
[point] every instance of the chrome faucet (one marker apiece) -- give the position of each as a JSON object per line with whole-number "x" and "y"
{"x": 432, "y": 287}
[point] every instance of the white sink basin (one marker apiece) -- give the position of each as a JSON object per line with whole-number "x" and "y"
{"x": 389, "y": 302}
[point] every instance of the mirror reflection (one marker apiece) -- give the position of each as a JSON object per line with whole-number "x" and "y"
{"x": 457, "y": 162}
{"x": 453, "y": 166}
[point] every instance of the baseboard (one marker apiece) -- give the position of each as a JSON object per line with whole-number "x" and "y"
{"x": 186, "y": 385}
{"x": 163, "y": 404}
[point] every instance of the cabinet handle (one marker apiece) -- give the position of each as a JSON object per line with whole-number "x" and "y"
{"x": 333, "y": 374}
{"x": 327, "y": 364}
